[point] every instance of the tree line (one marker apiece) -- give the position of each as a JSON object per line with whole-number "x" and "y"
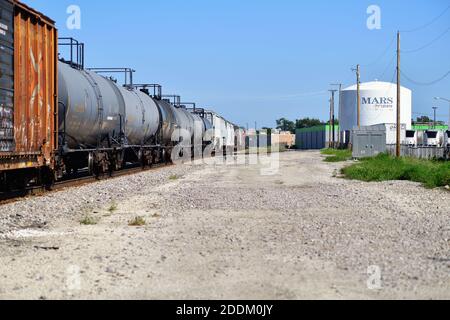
{"x": 284, "y": 124}
{"x": 428, "y": 120}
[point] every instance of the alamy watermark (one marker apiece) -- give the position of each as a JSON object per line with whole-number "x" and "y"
{"x": 73, "y": 278}
{"x": 374, "y": 282}
{"x": 225, "y": 149}
{"x": 73, "y": 22}
{"x": 374, "y": 19}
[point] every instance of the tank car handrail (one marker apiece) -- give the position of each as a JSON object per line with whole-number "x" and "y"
{"x": 176, "y": 99}
{"x": 193, "y": 104}
{"x": 128, "y": 72}
{"x": 157, "y": 89}
{"x": 79, "y": 46}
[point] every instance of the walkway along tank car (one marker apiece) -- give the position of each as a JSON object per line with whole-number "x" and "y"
{"x": 28, "y": 95}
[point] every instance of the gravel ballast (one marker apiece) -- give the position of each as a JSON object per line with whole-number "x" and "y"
{"x": 228, "y": 232}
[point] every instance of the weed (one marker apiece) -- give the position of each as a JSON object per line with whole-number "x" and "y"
{"x": 137, "y": 222}
{"x": 88, "y": 221}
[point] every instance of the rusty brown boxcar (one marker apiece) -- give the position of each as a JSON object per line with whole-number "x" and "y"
{"x": 28, "y": 88}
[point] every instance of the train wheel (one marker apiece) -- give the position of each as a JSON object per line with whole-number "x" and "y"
{"x": 48, "y": 178}
{"x": 91, "y": 163}
{"x": 166, "y": 156}
{"x": 111, "y": 164}
{"x": 152, "y": 158}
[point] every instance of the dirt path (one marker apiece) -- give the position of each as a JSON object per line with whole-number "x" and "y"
{"x": 228, "y": 232}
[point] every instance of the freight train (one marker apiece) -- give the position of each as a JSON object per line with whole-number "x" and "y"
{"x": 57, "y": 117}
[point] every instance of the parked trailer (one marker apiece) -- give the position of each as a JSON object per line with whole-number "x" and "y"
{"x": 28, "y": 93}
{"x": 434, "y": 138}
{"x": 411, "y": 137}
{"x": 414, "y": 137}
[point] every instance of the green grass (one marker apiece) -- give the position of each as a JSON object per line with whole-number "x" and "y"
{"x": 174, "y": 177}
{"x": 334, "y": 155}
{"x": 137, "y": 222}
{"x": 432, "y": 174}
{"x": 88, "y": 221}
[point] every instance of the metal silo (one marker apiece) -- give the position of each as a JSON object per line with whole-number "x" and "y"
{"x": 378, "y": 105}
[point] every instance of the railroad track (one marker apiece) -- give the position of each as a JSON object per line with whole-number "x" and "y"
{"x": 74, "y": 181}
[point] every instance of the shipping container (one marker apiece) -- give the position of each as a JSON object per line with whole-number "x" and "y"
{"x": 28, "y": 87}
{"x": 315, "y": 138}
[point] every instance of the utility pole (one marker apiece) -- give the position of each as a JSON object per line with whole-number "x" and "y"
{"x": 435, "y": 120}
{"x": 398, "y": 147}
{"x": 358, "y": 74}
{"x": 332, "y": 117}
{"x": 358, "y": 94}
{"x": 340, "y": 107}
{"x": 329, "y": 121}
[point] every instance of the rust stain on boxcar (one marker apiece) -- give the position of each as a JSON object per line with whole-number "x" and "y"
{"x": 35, "y": 90}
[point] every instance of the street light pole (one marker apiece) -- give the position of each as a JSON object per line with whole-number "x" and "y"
{"x": 434, "y": 123}
{"x": 448, "y": 100}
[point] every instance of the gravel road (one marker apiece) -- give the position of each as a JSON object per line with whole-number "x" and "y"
{"x": 228, "y": 232}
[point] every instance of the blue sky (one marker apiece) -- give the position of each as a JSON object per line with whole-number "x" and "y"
{"x": 260, "y": 60}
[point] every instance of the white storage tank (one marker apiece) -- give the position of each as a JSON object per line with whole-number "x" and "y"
{"x": 378, "y": 105}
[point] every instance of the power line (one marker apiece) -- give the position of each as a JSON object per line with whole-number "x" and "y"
{"x": 393, "y": 76}
{"x": 428, "y": 44}
{"x": 429, "y": 23}
{"x": 387, "y": 67}
{"x": 382, "y": 55}
{"x": 425, "y": 83}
